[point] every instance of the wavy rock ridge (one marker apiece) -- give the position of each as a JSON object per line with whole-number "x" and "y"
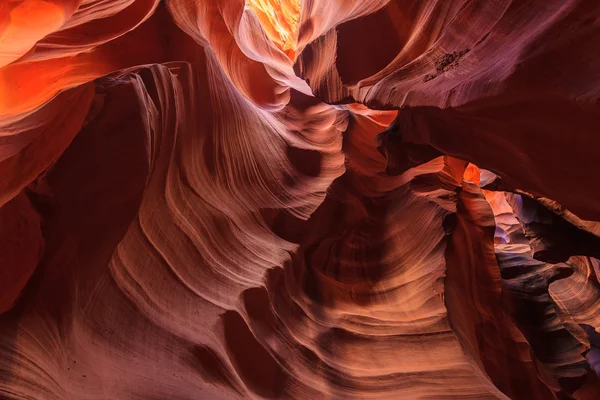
{"x": 374, "y": 199}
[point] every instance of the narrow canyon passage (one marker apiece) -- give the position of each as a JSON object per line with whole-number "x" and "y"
{"x": 305, "y": 199}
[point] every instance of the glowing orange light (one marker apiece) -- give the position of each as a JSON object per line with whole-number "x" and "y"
{"x": 279, "y": 19}
{"x": 472, "y": 174}
{"x": 24, "y": 22}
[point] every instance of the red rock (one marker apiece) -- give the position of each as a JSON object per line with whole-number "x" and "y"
{"x": 365, "y": 199}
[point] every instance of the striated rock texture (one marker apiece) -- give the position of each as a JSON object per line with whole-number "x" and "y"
{"x": 305, "y": 199}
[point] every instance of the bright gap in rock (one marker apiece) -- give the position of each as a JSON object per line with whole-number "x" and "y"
{"x": 279, "y": 19}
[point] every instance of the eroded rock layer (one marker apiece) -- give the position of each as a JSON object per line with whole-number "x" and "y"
{"x": 374, "y": 199}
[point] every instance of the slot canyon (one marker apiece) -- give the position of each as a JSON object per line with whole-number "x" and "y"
{"x": 299, "y": 199}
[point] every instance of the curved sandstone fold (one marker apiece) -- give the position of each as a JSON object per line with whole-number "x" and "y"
{"x": 298, "y": 199}
{"x": 497, "y": 99}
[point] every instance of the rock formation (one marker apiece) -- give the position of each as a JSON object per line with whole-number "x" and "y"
{"x": 306, "y": 199}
